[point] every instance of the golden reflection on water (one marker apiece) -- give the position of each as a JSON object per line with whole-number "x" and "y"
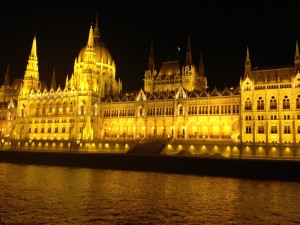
{"x": 61, "y": 195}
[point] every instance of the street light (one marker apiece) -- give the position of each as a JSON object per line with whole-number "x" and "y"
{"x": 30, "y": 140}
{"x": 77, "y": 144}
{"x": 124, "y": 135}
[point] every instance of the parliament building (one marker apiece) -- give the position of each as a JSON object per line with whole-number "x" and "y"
{"x": 175, "y": 103}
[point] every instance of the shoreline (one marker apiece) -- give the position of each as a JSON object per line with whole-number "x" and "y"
{"x": 266, "y": 169}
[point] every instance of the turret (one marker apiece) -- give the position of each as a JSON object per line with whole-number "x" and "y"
{"x": 188, "y": 55}
{"x": 53, "y": 81}
{"x": 297, "y": 60}
{"x": 248, "y": 70}
{"x": 31, "y": 77}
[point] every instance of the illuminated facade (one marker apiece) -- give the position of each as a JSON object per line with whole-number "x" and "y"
{"x": 175, "y": 102}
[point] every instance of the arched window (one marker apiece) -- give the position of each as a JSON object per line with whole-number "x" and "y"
{"x": 64, "y": 108}
{"x": 248, "y": 104}
{"x": 286, "y": 103}
{"x": 260, "y": 104}
{"x": 81, "y": 109}
{"x": 248, "y": 130}
{"x": 273, "y": 129}
{"x": 50, "y": 108}
{"x": 44, "y": 109}
{"x": 298, "y": 102}
{"x": 180, "y": 110}
{"x": 71, "y": 107}
{"x": 261, "y": 129}
{"x": 141, "y": 111}
{"x": 273, "y": 103}
{"x": 37, "y": 110}
{"x": 287, "y": 129}
{"x": 57, "y": 108}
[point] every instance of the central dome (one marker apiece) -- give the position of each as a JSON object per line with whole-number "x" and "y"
{"x": 102, "y": 54}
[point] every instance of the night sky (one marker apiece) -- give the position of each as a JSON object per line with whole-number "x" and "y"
{"x": 219, "y": 29}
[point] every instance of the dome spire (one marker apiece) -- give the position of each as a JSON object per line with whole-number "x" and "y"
{"x": 151, "y": 65}
{"x": 96, "y": 29}
{"x": 53, "y": 80}
{"x": 32, "y": 65}
{"x": 33, "y": 53}
{"x": 90, "y": 43}
{"x": 31, "y": 77}
{"x": 297, "y": 59}
{"x": 248, "y": 71}
{"x": 6, "y": 78}
{"x": 188, "y": 57}
{"x": 201, "y": 65}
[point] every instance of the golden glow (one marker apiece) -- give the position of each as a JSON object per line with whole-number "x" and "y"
{"x": 192, "y": 148}
{"x": 179, "y": 148}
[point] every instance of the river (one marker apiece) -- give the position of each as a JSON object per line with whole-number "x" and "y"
{"x": 36, "y": 194}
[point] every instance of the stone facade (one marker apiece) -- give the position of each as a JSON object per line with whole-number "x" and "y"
{"x": 175, "y": 103}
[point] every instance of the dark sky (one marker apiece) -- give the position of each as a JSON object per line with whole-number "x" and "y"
{"x": 221, "y": 30}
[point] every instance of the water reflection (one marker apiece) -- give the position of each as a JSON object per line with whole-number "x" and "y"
{"x": 60, "y": 195}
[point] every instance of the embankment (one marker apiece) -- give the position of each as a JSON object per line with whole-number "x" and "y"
{"x": 226, "y": 167}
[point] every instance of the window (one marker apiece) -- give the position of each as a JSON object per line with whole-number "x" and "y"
{"x": 286, "y": 103}
{"x": 273, "y": 103}
{"x": 141, "y": 111}
{"x": 287, "y": 129}
{"x": 64, "y": 108}
{"x": 248, "y": 105}
{"x": 248, "y": 130}
{"x": 286, "y": 117}
{"x": 261, "y": 129}
{"x": 260, "y": 104}
{"x": 273, "y": 129}
{"x": 81, "y": 109}
{"x": 298, "y": 102}
{"x": 180, "y": 112}
{"x": 44, "y": 109}
{"x": 37, "y": 109}
{"x": 273, "y": 117}
{"x": 49, "y": 129}
{"x": 50, "y": 108}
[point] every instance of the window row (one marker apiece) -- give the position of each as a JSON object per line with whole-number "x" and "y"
{"x": 286, "y": 104}
{"x": 273, "y": 129}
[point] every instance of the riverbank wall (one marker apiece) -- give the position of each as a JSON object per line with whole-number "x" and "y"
{"x": 288, "y": 170}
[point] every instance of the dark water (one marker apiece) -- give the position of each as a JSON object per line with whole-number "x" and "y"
{"x": 31, "y": 194}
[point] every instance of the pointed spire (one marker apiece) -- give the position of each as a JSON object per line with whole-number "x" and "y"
{"x": 53, "y": 80}
{"x": 201, "y": 65}
{"x": 188, "y": 57}
{"x": 248, "y": 70}
{"x": 90, "y": 43}
{"x": 6, "y": 78}
{"x": 151, "y": 64}
{"x": 96, "y": 29}
{"x": 67, "y": 81}
{"x": 31, "y": 77}
{"x": 297, "y": 59}
{"x": 33, "y": 53}
{"x": 297, "y": 56}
